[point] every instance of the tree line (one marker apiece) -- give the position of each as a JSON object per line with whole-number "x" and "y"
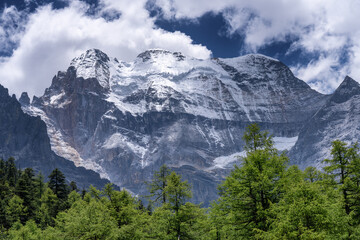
{"x": 263, "y": 198}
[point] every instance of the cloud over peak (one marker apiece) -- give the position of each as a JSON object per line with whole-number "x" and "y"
{"x": 34, "y": 45}
{"x": 50, "y": 38}
{"x": 326, "y": 29}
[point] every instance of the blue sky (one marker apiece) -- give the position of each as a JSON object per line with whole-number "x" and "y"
{"x": 317, "y": 39}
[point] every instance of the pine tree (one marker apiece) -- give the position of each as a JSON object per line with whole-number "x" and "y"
{"x": 48, "y": 209}
{"x": 87, "y": 221}
{"x": 2, "y": 171}
{"x": 25, "y": 189}
{"x": 247, "y": 194}
{"x": 158, "y": 184}
{"x": 255, "y": 139}
{"x": 73, "y": 186}
{"x": 39, "y": 187}
{"x": 15, "y": 210}
{"x": 58, "y": 184}
{"x": 339, "y": 167}
{"x": 29, "y": 231}
{"x": 306, "y": 210}
{"x": 312, "y": 174}
{"x": 12, "y": 173}
{"x": 177, "y": 193}
{"x": 59, "y": 187}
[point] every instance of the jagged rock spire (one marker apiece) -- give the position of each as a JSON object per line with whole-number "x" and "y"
{"x": 24, "y": 99}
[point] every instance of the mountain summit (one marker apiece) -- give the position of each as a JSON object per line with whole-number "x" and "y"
{"x": 93, "y": 64}
{"x": 338, "y": 118}
{"x": 125, "y": 119}
{"x": 347, "y": 90}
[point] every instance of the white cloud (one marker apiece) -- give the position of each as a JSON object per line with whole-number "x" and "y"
{"x": 51, "y": 38}
{"x": 322, "y": 74}
{"x": 325, "y": 27}
{"x": 48, "y": 39}
{"x": 11, "y": 21}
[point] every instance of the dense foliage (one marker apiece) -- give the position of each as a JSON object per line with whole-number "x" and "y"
{"x": 262, "y": 198}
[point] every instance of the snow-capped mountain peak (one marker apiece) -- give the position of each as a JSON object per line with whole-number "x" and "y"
{"x": 158, "y": 53}
{"x": 258, "y": 66}
{"x": 93, "y": 64}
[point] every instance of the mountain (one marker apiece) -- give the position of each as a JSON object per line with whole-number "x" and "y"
{"x": 25, "y": 138}
{"x": 125, "y": 119}
{"x": 338, "y": 118}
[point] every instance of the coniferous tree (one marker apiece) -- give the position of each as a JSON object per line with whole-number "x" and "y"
{"x": 57, "y": 184}
{"x": 11, "y": 172}
{"x": 177, "y": 193}
{"x": 306, "y": 210}
{"x": 312, "y": 174}
{"x": 256, "y": 140}
{"x": 353, "y": 186}
{"x": 48, "y": 209}
{"x": 73, "y": 186}
{"x": 39, "y": 187}
{"x": 29, "y": 231}
{"x": 339, "y": 168}
{"x": 25, "y": 189}
{"x": 15, "y": 210}
{"x": 2, "y": 171}
{"x": 247, "y": 194}
{"x": 83, "y": 193}
{"x": 158, "y": 184}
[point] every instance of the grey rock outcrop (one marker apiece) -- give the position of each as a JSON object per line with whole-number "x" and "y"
{"x": 24, "y": 99}
{"x": 338, "y": 118}
{"x": 25, "y": 138}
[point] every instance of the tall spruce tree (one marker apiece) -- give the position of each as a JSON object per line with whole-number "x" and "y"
{"x": 247, "y": 194}
{"x": 12, "y": 173}
{"x": 158, "y": 184}
{"x": 178, "y": 192}
{"x": 339, "y": 168}
{"x": 61, "y": 190}
{"x": 25, "y": 189}
{"x": 57, "y": 184}
{"x": 353, "y": 184}
{"x": 39, "y": 186}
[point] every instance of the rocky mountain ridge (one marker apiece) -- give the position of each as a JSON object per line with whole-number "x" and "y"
{"x": 125, "y": 119}
{"x": 338, "y": 118}
{"x": 25, "y": 138}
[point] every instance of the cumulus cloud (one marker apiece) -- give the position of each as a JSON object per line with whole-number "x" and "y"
{"x": 50, "y": 38}
{"x": 322, "y": 74}
{"x": 12, "y": 22}
{"x": 325, "y": 28}
{"x": 45, "y": 41}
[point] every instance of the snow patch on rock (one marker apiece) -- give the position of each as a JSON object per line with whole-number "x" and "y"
{"x": 284, "y": 143}
{"x": 60, "y": 146}
{"x": 93, "y": 64}
{"x": 280, "y": 143}
{"x": 225, "y": 161}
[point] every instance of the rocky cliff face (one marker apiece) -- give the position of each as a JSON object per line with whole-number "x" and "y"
{"x": 25, "y": 138}
{"x": 338, "y": 118}
{"x": 125, "y": 119}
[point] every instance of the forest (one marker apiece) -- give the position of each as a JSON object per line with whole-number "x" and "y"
{"x": 264, "y": 197}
